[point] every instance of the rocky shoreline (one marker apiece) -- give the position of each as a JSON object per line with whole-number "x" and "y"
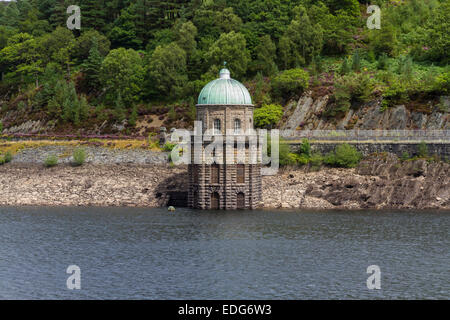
{"x": 378, "y": 183}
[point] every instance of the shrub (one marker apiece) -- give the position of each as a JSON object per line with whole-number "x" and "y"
{"x": 345, "y": 67}
{"x": 305, "y": 148}
{"x": 285, "y": 156}
{"x": 51, "y": 161}
{"x": 8, "y": 157}
{"x": 316, "y": 160}
{"x": 168, "y": 147}
{"x": 442, "y": 85}
{"x": 5, "y": 158}
{"x": 268, "y": 115}
{"x": 79, "y": 156}
{"x": 422, "y": 150}
{"x": 345, "y": 156}
{"x": 351, "y": 89}
{"x": 356, "y": 61}
{"x": 290, "y": 83}
{"x": 405, "y": 156}
{"x": 1, "y": 127}
{"x": 383, "y": 62}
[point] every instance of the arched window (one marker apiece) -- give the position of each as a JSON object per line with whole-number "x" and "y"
{"x": 240, "y": 200}
{"x": 240, "y": 173}
{"x": 237, "y": 126}
{"x": 215, "y": 200}
{"x": 217, "y": 126}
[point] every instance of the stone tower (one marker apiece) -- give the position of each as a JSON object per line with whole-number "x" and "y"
{"x": 216, "y": 181}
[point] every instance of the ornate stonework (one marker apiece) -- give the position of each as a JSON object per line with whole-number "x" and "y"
{"x": 220, "y": 184}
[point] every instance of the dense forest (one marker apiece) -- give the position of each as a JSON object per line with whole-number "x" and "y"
{"x": 145, "y": 59}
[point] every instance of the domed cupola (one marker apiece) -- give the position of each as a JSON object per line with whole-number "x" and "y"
{"x": 224, "y": 91}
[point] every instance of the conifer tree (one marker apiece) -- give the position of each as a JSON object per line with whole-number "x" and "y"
{"x": 92, "y": 65}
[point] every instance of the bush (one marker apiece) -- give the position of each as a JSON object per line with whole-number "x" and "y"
{"x": 305, "y": 148}
{"x": 405, "y": 156}
{"x": 422, "y": 150}
{"x": 168, "y": 147}
{"x": 51, "y": 161}
{"x": 290, "y": 83}
{"x": 285, "y": 155}
{"x": 79, "y": 156}
{"x": 268, "y": 115}
{"x": 356, "y": 61}
{"x": 1, "y": 127}
{"x": 5, "y": 158}
{"x": 383, "y": 62}
{"x": 345, "y": 156}
{"x": 352, "y": 89}
{"x": 442, "y": 85}
{"x": 8, "y": 157}
{"x": 316, "y": 160}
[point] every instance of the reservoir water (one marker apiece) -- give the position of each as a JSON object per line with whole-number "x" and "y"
{"x": 126, "y": 253}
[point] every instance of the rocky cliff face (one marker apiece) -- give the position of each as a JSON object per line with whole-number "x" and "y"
{"x": 379, "y": 182}
{"x": 307, "y": 113}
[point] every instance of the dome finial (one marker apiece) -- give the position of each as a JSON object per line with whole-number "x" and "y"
{"x": 224, "y": 73}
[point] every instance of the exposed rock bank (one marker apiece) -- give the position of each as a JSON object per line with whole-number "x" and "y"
{"x": 376, "y": 183}
{"x": 382, "y": 182}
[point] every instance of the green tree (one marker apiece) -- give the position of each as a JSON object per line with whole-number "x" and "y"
{"x": 122, "y": 72}
{"x": 356, "y": 61}
{"x": 167, "y": 70}
{"x": 265, "y": 57}
{"x": 85, "y": 41}
{"x": 268, "y": 115}
{"x": 230, "y": 47}
{"x": 185, "y": 37}
{"x": 301, "y": 41}
{"x": 91, "y": 67}
{"x": 290, "y": 83}
{"x": 344, "y": 155}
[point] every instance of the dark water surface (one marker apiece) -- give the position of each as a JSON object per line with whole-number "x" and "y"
{"x": 153, "y": 254}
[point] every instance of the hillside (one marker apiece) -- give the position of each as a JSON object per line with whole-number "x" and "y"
{"x": 137, "y": 65}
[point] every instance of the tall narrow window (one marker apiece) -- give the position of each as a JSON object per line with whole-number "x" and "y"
{"x": 237, "y": 126}
{"x": 217, "y": 126}
{"x": 240, "y": 173}
{"x": 214, "y": 173}
{"x": 195, "y": 173}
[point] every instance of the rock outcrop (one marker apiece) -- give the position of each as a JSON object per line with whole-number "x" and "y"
{"x": 380, "y": 182}
{"x": 308, "y": 112}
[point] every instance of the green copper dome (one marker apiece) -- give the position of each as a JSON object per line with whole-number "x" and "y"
{"x": 225, "y": 91}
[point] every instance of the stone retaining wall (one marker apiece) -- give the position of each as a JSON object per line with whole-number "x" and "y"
{"x": 94, "y": 155}
{"x": 440, "y": 149}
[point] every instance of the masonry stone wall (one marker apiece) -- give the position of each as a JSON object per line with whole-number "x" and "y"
{"x": 440, "y": 149}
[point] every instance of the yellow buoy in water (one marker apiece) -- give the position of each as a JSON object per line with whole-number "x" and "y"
{"x": 171, "y": 208}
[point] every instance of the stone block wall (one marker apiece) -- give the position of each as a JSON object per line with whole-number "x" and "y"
{"x": 440, "y": 149}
